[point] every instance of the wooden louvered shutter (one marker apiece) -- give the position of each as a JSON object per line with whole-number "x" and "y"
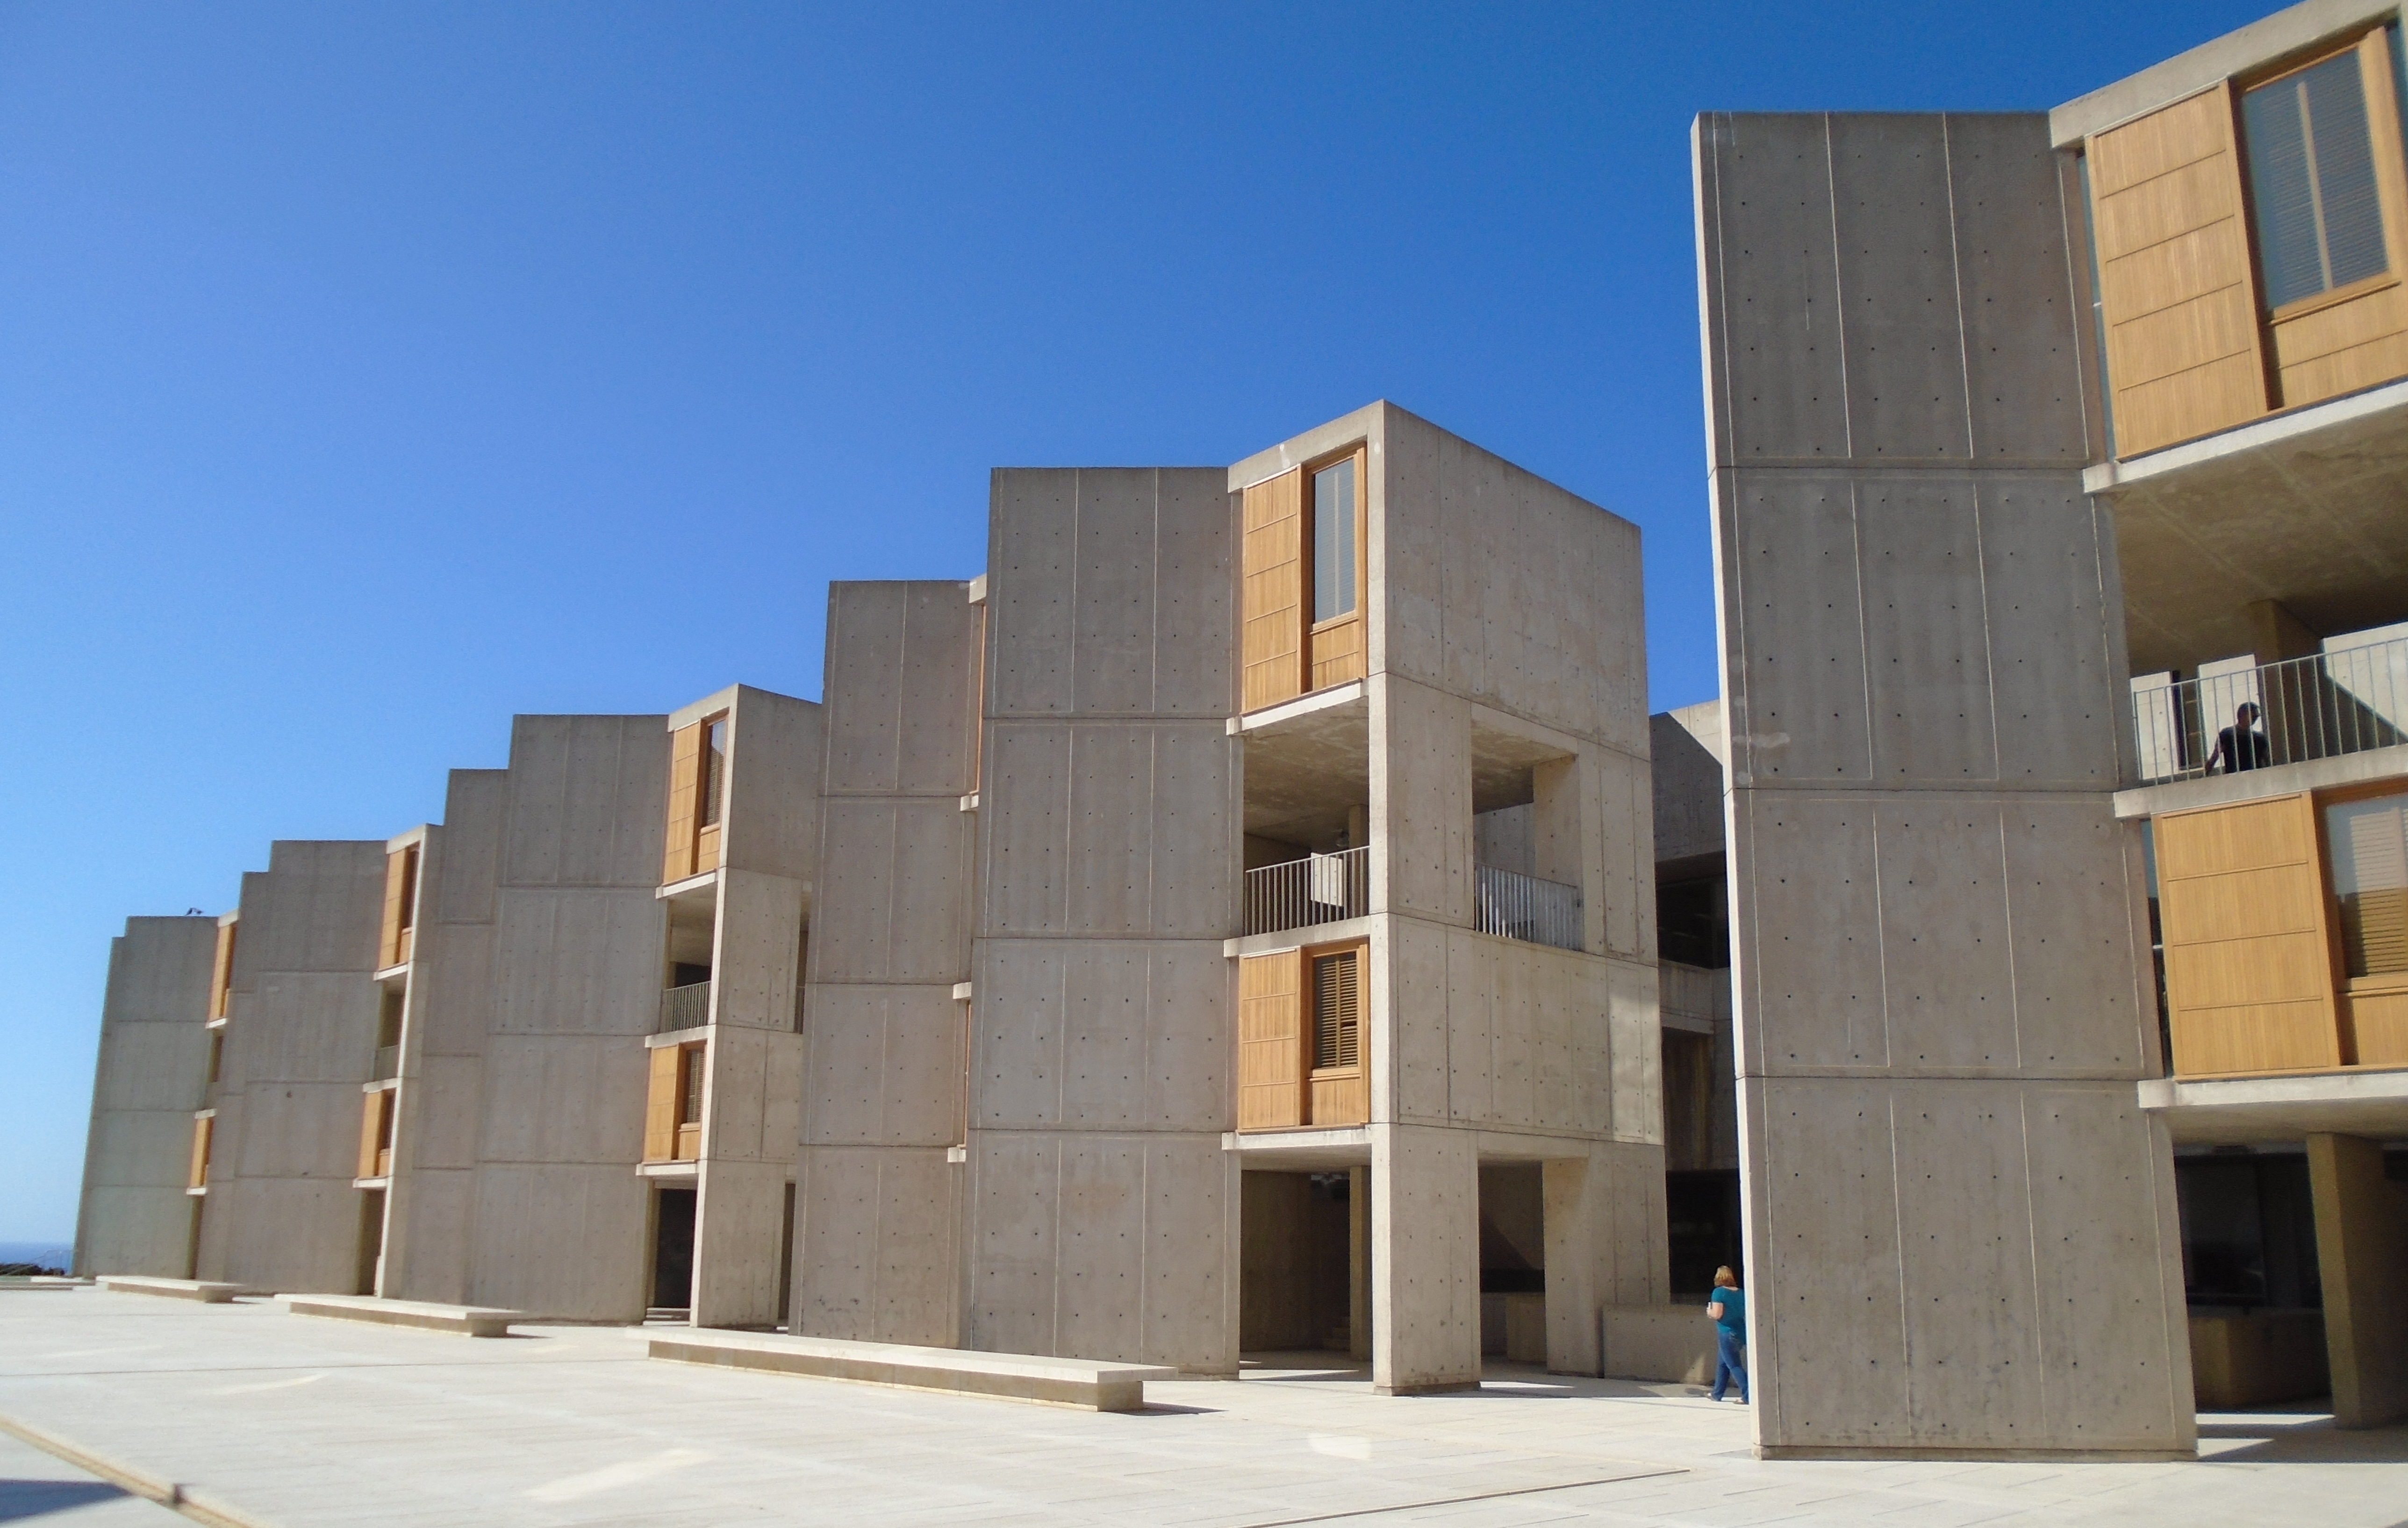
{"x": 1337, "y": 1009}
{"x": 661, "y": 1103}
{"x": 371, "y": 1132}
{"x": 2240, "y": 899}
{"x": 2375, "y": 911}
{"x": 2185, "y": 353}
{"x": 1271, "y": 1041}
{"x": 1274, "y": 616}
{"x": 397, "y": 889}
{"x": 685, "y": 784}
{"x": 202, "y": 1129}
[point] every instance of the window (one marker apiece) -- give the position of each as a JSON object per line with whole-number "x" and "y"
{"x": 1337, "y": 1010}
{"x": 410, "y": 889}
{"x": 1333, "y": 541}
{"x": 2368, "y": 841}
{"x": 2312, "y": 172}
{"x": 714, "y": 771}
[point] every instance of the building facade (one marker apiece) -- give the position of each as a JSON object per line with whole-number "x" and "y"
{"x": 2039, "y": 445}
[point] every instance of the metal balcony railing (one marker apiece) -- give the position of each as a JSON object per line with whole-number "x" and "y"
{"x": 2320, "y": 706}
{"x": 1520, "y": 906}
{"x": 685, "y": 1007}
{"x": 1318, "y": 889}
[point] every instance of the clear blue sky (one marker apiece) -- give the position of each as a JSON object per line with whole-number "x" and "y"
{"x": 370, "y": 373}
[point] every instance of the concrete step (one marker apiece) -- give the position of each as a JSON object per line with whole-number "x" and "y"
{"x": 175, "y": 1288}
{"x": 468, "y": 1321}
{"x": 1013, "y": 1377}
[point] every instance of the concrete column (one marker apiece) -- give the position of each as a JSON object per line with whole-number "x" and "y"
{"x": 1425, "y": 1279}
{"x": 2363, "y": 1261}
{"x": 1358, "y": 1261}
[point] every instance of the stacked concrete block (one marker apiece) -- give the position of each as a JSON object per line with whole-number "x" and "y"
{"x": 151, "y": 1077}
{"x": 1101, "y": 1211}
{"x": 281, "y": 1212}
{"x": 1960, "y": 1226}
{"x": 877, "y": 1242}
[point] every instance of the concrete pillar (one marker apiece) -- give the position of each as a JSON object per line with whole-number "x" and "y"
{"x": 1358, "y": 1261}
{"x": 2363, "y": 1261}
{"x": 1426, "y": 1290}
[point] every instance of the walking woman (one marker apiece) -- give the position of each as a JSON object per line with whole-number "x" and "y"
{"x": 1728, "y": 1310}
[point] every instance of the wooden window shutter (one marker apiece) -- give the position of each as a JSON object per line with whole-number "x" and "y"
{"x": 203, "y": 1128}
{"x": 685, "y": 786}
{"x": 221, "y": 971}
{"x": 1337, "y": 1008}
{"x": 2240, "y": 900}
{"x": 1273, "y": 619}
{"x": 2375, "y": 899}
{"x": 2185, "y": 351}
{"x": 1271, "y": 1041}
{"x": 396, "y": 889}
{"x": 372, "y": 1132}
{"x": 661, "y": 1105}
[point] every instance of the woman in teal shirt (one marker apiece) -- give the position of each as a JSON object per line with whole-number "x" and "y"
{"x": 1729, "y": 1308}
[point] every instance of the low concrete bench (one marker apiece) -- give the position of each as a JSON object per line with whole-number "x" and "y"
{"x": 175, "y": 1288}
{"x": 470, "y": 1321}
{"x": 1012, "y": 1377}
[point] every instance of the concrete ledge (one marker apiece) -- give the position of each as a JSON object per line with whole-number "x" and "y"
{"x": 1984, "y": 1456}
{"x": 175, "y": 1288}
{"x": 470, "y": 1321}
{"x": 1012, "y": 1377}
{"x": 1666, "y": 1344}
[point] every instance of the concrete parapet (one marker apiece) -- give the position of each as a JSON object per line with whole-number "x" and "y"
{"x": 465, "y": 1320}
{"x": 1079, "y": 1382}
{"x": 1669, "y": 1344}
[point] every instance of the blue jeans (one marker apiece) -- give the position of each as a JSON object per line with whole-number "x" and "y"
{"x": 1729, "y": 1349}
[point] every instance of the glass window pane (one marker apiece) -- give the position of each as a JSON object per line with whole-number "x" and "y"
{"x": 2312, "y": 174}
{"x": 2369, "y": 844}
{"x": 1333, "y": 540}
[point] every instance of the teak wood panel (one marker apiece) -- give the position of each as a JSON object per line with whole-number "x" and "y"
{"x": 1271, "y": 1041}
{"x": 2248, "y": 950}
{"x": 221, "y": 971}
{"x": 2185, "y": 347}
{"x": 372, "y": 1133}
{"x": 685, "y": 788}
{"x": 393, "y": 941}
{"x": 2378, "y": 1022}
{"x": 661, "y": 1092}
{"x": 1337, "y": 654}
{"x": 1340, "y": 1095}
{"x": 1272, "y": 633}
{"x": 199, "y": 1176}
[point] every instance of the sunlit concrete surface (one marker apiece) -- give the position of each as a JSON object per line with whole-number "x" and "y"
{"x": 295, "y": 1422}
{"x": 37, "y": 1487}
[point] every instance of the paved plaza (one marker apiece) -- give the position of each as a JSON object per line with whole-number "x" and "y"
{"x": 261, "y": 1417}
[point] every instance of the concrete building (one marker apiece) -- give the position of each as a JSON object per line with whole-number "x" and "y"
{"x": 2038, "y": 444}
{"x": 151, "y": 1081}
{"x": 1235, "y": 921}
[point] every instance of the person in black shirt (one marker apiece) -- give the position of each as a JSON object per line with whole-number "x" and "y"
{"x": 2241, "y": 746}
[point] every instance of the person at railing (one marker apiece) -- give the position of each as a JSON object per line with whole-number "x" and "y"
{"x": 2241, "y": 746}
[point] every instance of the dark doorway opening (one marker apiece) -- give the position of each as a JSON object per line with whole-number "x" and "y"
{"x": 371, "y": 1242}
{"x": 1701, "y": 1222}
{"x": 673, "y": 1250}
{"x": 1297, "y": 1273}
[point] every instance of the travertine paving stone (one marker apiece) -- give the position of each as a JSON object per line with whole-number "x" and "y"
{"x": 326, "y": 1422}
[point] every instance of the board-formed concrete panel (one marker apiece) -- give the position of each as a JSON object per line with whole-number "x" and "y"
{"x": 151, "y": 1076}
{"x": 1938, "y": 974}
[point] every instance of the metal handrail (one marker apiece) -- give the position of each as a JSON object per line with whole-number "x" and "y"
{"x": 1317, "y": 889}
{"x": 1520, "y": 906}
{"x": 685, "y": 1007}
{"x": 2320, "y": 706}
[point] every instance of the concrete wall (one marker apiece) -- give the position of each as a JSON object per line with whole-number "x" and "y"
{"x": 752, "y": 1088}
{"x": 430, "y": 1210}
{"x": 1940, "y": 954}
{"x": 1102, "y": 1213}
{"x": 877, "y": 1246}
{"x": 1685, "y": 748}
{"x": 300, "y": 1038}
{"x": 152, "y": 1072}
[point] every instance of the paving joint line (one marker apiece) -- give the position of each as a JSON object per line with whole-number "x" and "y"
{"x": 1459, "y": 1501}
{"x": 171, "y": 1494}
